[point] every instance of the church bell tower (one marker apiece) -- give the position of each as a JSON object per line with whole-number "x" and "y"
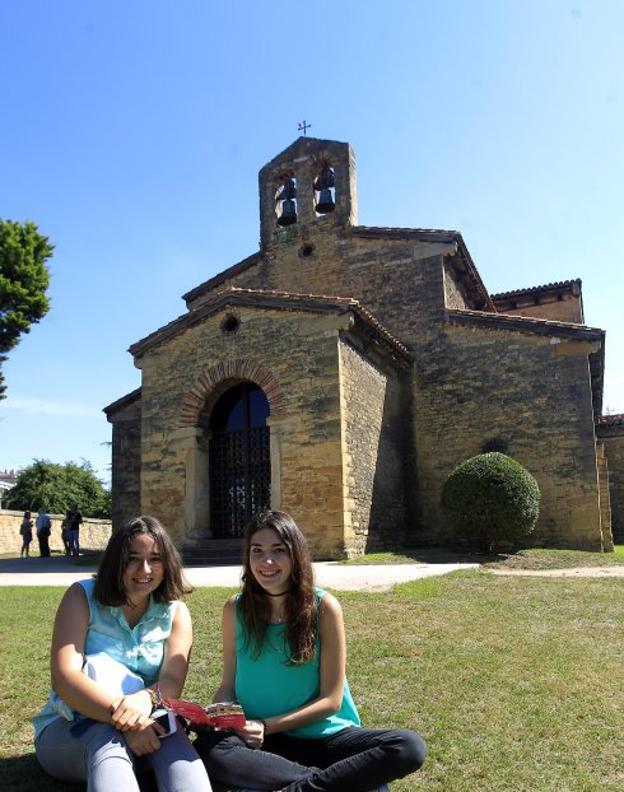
{"x": 310, "y": 186}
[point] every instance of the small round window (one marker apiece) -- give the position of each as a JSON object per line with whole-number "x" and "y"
{"x": 230, "y": 324}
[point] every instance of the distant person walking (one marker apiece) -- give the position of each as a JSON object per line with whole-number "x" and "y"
{"x": 43, "y": 526}
{"x": 65, "y": 532}
{"x": 74, "y": 521}
{"x": 26, "y": 534}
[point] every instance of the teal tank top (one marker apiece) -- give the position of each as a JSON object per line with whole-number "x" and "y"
{"x": 141, "y": 648}
{"x": 267, "y": 685}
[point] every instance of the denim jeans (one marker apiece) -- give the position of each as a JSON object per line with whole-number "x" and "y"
{"x": 74, "y": 542}
{"x": 353, "y": 759}
{"x": 100, "y": 757}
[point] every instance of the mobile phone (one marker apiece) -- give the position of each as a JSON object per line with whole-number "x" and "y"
{"x": 166, "y": 719}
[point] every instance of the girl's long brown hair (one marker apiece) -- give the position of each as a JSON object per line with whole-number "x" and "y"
{"x": 109, "y": 587}
{"x": 301, "y": 608}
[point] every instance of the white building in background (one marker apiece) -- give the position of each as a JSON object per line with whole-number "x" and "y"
{"x": 7, "y": 480}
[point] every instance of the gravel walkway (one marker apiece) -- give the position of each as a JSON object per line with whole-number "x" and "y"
{"x": 61, "y": 571}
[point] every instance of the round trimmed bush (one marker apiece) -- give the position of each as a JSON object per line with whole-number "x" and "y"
{"x": 491, "y": 498}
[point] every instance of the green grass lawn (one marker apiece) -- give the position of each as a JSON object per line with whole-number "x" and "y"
{"x": 515, "y": 683}
{"x": 416, "y": 555}
{"x": 534, "y": 558}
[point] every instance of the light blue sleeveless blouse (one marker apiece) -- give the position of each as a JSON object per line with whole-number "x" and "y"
{"x": 267, "y": 685}
{"x": 141, "y": 648}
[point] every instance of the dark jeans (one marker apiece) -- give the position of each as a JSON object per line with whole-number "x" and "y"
{"x": 44, "y": 546}
{"x": 354, "y": 759}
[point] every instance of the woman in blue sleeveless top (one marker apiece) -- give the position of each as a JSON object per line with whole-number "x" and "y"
{"x": 130, "y": 630}
{"x": 284, "y": 661}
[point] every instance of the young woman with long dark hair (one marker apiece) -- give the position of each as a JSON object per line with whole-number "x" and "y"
{"x": 129, "y": 623}
{"x": 284, "y": 661}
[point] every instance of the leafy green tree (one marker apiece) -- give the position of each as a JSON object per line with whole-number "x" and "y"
{"x": 24, "y": 279}
{"x": 58, "y": 487}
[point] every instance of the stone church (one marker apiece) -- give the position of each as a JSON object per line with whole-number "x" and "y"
{"x": 342, "y": 371}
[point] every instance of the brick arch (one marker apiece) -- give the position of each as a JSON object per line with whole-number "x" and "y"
{"x": 207, "y": 384}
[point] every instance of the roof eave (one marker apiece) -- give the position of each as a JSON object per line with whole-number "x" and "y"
{"x": 219, "y": 278}
{"x": 525, "y": 324}
{"x": 123, "y": 401}
{"x": 254, "y": 298}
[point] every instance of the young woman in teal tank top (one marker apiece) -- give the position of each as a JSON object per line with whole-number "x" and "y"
{"x": 284, "y": 661}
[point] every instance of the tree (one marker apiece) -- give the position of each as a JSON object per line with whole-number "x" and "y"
{"x": 24, "y": 279}
{"x": 57, "y": 487}
{"x": 491, "y": 498}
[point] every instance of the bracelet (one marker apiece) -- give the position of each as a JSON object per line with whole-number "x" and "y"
{"x": 155, "y": 697}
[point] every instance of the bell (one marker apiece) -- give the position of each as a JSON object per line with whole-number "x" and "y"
{"x": 325, "y": 179}
{"x": 289, "y": 213}
{"x": 325, "y": 202}
{"x": 289, "y": 189}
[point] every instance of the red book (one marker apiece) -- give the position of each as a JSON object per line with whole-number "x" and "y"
{"x": 222, "y": 714}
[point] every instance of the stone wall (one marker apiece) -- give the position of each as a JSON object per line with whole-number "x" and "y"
{"x": 374, "y": 458}
{"x": 399, "y": 281}
{"x": 613, "y": 440}
{"x": 481, "y": 384}
{"x": 454, "y": 296}
{"x": 568, "y": 309}
{"x": 126, "y": 463}
{"x": 606, "y": 520}
{"x": 94, "y": 533}
{"x": 299, "y": 350}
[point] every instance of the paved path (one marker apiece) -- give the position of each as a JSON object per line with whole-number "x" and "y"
{"x": 61, "y": 571}
{"x": 571, "y": 572}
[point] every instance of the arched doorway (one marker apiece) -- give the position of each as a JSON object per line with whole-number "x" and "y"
{"x": 239, "y": 459}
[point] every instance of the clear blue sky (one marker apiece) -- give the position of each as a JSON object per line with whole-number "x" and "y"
{"x": 132, "y": 133}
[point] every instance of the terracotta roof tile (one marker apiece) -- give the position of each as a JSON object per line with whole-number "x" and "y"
{"x": 610, "y": 420}
{"x": 610, "y": 426}
{"x": 270, "y": 299}
{"x": 526, "y": 323}
{"x": 537, "y": 289}
{"x": 423, "y": 234}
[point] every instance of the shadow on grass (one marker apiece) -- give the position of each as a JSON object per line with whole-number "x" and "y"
{"x": 519, "y": 558}
{"x": 447, "y": 554}
{"x": 24, "y": 773}
{"x": 89, "y": 558}
{"x": 57, "y": 562}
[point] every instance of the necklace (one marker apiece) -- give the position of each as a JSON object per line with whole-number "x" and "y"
{"x": 269, "y": 594}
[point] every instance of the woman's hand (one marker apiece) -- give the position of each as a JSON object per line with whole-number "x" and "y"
{"x": 252, "y": 733}
{"x": 144, "y": 740}
{"x": 131, "y": 712}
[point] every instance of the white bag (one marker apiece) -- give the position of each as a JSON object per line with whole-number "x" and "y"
{"x": 112, "y": 675}
{"x": 107, "y": 672}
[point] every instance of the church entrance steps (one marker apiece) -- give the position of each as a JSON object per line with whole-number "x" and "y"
{"x": 212, "y": 552}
